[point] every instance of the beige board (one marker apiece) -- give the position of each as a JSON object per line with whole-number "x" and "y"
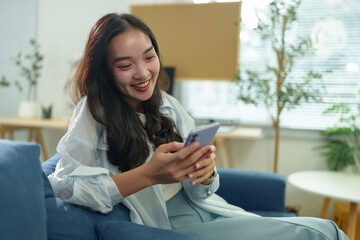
{"x": 200, "y": 40}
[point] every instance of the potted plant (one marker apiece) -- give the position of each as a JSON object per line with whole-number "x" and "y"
{"x": 272, "y": 88}
{"x": 29, "y": 70}
{"x": 342, "y": 147}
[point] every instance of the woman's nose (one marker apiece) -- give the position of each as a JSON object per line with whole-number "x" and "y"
{"x": 141, "y": 72}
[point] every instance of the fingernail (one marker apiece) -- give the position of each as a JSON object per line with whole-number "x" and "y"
{"x": 191, "y": 175}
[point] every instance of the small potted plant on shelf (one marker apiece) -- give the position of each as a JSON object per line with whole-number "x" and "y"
{"x": 29, "y": 70}
{"x": 342, "y": 147}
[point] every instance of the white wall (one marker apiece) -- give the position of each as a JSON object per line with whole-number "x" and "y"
{"x": 62, "y": 29}
{"x": 17, "y": 25}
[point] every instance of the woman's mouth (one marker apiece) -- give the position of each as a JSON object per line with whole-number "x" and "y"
{"x": 143, "y": 86}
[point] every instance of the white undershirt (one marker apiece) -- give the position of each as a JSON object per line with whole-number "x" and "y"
{"x": 169, "y": 190}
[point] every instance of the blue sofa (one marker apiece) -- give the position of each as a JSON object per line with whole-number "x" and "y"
{"x": 29, "y": 209}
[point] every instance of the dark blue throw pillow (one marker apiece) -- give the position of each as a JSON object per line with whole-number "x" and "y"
{"x": 110, "y": 230}
{"x": 49, "y": 165}
{"x": 22, "y": 207}
{"x": 70, "y": 222}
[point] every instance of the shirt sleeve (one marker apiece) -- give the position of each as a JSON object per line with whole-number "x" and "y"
{"x": 200, "y": 191}
{"x": 80, "y": 176}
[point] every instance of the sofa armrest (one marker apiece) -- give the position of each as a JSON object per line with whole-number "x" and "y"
{"x": 253, "y": 190}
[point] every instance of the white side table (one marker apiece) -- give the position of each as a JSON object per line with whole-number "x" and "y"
{"x": 336, "y": 185}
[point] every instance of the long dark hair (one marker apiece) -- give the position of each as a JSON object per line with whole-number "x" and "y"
{"x": 127, "y": 137}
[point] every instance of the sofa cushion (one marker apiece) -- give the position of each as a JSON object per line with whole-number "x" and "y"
{"x": 265, "y": 193}
{"x": 67, "y": 221}
{"x": 48, "y": 191}
{"x": 110, "y": 230}
{"x": 22, "y": 205}
{"x": 49, "y": 165}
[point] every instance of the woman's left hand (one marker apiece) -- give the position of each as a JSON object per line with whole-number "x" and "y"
{"x": 204, "y": 167}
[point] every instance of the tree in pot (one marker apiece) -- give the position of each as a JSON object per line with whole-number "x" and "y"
{"x": 29, "y": 70}
{"x": 276, "y": 88}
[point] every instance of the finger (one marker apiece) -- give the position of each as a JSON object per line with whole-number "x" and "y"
{"x": 205, "y": 160}
{"x": 212, "y": 149}
{"x": 197, "y": 155}
{"x": 204, "y": 174}
{"x": 171, "y": 147}
{"x": 186, "y": 152}
{"x": 187, "y": 169}
{"x": 199, "y": 168}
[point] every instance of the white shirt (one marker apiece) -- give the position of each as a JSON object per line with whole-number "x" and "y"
{"x": 169, "y": 190}
{"x": 82, "y": 175}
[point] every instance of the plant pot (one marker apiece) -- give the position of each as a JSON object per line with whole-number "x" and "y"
{"x": 28, "y": 109}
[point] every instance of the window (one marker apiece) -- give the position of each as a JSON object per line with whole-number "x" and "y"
{"x": 333, "y": 24}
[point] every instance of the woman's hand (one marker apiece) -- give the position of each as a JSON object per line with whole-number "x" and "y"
{"x": 204, "y": 167}
{"x": 172, "y": 163}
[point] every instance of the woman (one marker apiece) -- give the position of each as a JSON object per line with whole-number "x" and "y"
{"x": 124, "y": 144}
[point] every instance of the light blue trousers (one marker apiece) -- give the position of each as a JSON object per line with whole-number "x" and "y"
{"x": 188, "y": 219}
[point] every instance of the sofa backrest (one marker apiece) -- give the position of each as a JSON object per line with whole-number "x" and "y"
{"x": 22, "y": 203}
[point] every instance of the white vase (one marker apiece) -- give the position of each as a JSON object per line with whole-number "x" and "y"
{"x": 28, "y": 109}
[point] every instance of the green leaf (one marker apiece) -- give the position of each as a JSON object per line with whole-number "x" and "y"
{"x": 29, "y": 66}
{"x": 4, "y": 82}
{"x": 338, "y": 108}
{"x": 338, "y": 155}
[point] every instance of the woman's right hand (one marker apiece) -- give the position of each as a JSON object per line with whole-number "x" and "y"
{"x": 172, "y": 162}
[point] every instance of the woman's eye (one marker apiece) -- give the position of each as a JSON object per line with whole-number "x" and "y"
{"x": 124, "y": 66}
{"x": 149, "y": 58}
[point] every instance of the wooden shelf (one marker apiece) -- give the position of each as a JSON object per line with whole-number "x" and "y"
{"x": 33, "y": 126}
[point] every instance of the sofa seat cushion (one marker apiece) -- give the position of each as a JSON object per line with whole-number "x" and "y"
{"x": 110, "y": 230}
{"x": 22, "y": 203}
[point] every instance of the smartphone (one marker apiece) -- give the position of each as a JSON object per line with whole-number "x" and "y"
{"x": 204, "y": 134}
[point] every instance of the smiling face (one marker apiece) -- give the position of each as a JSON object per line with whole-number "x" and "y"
{"x": 134, "y": 65}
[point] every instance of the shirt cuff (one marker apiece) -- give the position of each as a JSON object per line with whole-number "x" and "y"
{"x": 114, "y": 192}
